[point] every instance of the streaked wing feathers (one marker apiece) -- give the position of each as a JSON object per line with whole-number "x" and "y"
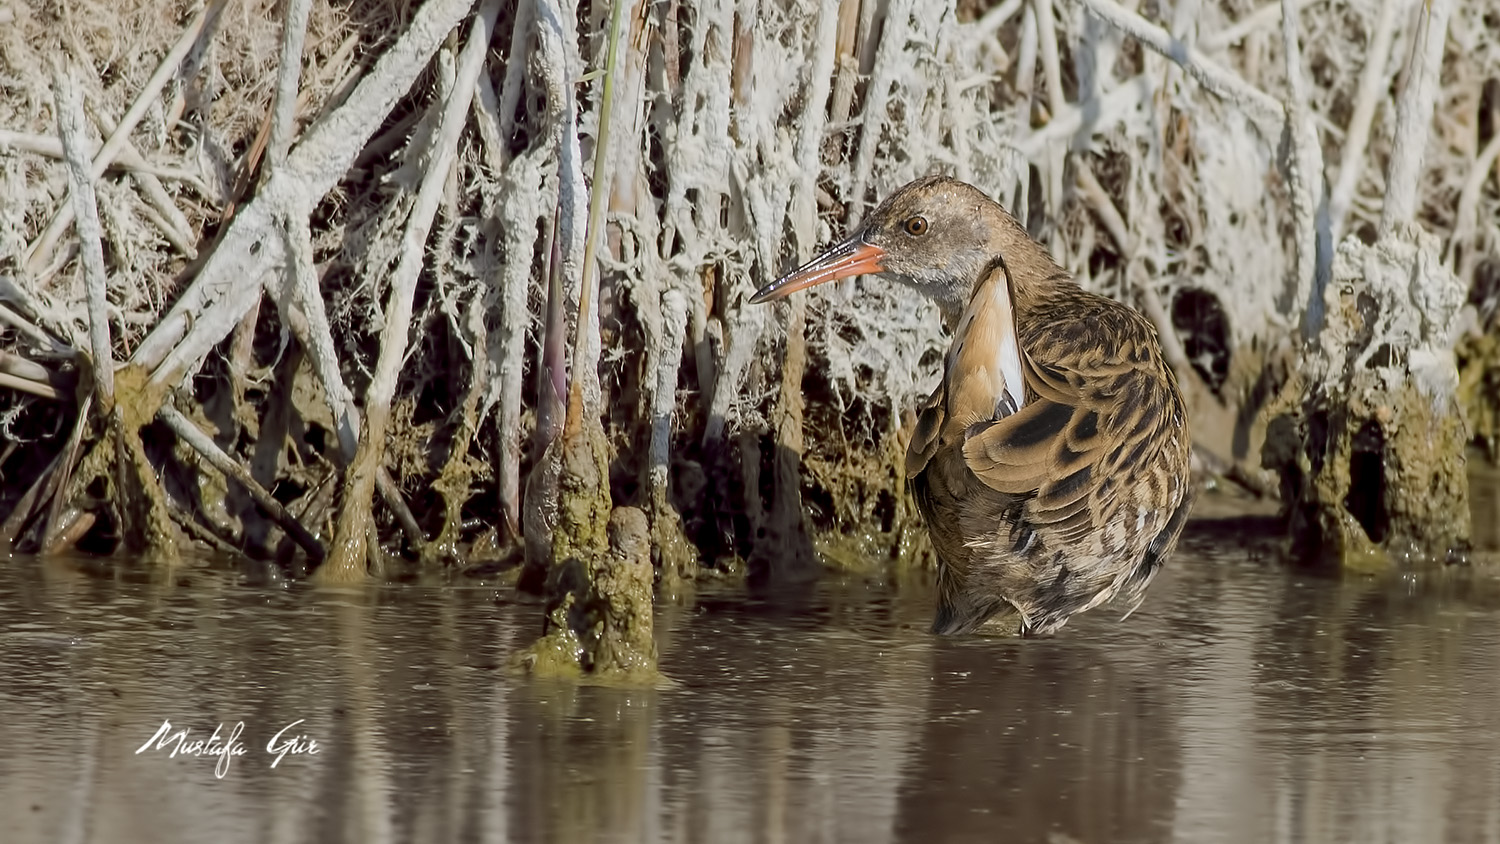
{"x": 1092, "y": 412}
{"x": 924, "y": 440}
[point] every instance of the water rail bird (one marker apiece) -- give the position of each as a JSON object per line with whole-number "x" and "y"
{"x": 1051, "y": 463}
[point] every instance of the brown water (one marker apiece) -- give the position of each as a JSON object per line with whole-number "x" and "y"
{"x": 1244, "y": 702}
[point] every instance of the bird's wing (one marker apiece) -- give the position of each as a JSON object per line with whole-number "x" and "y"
{"x": 982, "y": 379}
{"x": 924, "y": 440}
{"x": 1098, "y": 402}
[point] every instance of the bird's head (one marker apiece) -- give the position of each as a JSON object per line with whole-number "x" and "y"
{"x": 936, "y": 234}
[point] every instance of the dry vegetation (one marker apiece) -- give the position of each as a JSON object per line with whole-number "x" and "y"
{"x": 369, "y": 276}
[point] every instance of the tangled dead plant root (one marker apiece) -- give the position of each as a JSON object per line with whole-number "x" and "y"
{"x": 327, "y": 237}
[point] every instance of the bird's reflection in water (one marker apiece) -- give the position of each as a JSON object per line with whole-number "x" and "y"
{"x": 1043, "y": 741}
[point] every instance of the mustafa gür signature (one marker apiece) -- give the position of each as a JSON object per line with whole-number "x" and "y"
{"x": 227, "y": 747}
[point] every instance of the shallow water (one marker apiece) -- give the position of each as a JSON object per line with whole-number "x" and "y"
{"x": 1244, "y": 701}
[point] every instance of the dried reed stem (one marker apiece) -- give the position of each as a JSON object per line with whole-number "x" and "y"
{"x": 1074, "y": 119}
{"x": 29, "y": 329}
{"x": 351, "y": 534}
{"x": 584, "y": 495}
{"x": 129, "y": 161}
{"x": 1046, "y": 31}
{"x": 40, "y": 251}
{"x": 564, "y": 248}
{"x": 1236, "y": 32}
{"x": 27, "y": 385}
{"x": 515, "y": 71}
{"x": 1468, "y": 198}
{"x": 664, "y": 394}
{"x": 518, "y": 211}
{"x": 991, "y": 21}
{"x": 487, "y": 120}
{"x": 55, "y": 493}
{"x": 284, "y": 113}
{"x": 877, "y": 98}
{"x": 70, "y": 119}
{"x": 1371, "y": 92}
{"x": 1258, "y": 105}
{"x": 318, "y": 338}
{"x": 804, "y": 206}
{"x": 521, "y": 201}
{"x": 171, "y": 222}
{"x": 1025, "y": 80}
{"x": 1414, "y": 117}
{"x": 787, "y": 512}
{"x": 218, "y": 298}
{"x": 1304, "y": 167}
{"x": 1054, "y": 158}
{"x": 603, "y": 178}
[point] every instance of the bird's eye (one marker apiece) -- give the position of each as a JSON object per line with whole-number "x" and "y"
{"x": 916, "y": 226}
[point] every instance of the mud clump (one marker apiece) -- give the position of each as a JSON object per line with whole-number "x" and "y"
{"x": 622, "y": 586}
{"x": 599, "y": 613}
{"x": 1372, "y": 458}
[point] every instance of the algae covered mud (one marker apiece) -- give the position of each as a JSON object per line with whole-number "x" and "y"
{"x": 1244, "y": 702}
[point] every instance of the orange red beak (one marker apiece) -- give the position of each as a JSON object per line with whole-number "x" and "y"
{"x": 850, "y": 258}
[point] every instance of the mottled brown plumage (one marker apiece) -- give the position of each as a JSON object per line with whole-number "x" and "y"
{"x": 1051, "y": 463}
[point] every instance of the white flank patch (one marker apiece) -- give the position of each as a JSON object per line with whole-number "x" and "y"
{"x": 985, "y": 362}
{"x": 1008, "y": 350}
